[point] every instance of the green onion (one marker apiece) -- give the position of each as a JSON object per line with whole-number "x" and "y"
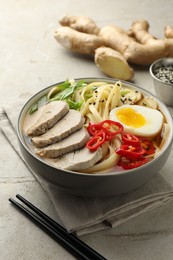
{"x": 68, "y": 91}
{"x": 75, "y": 105}
{"x": 39, "y": 103}
{"x": 62, "y": 91}
{"x": 33, "y": 108}
{"x": 124, "y": 92}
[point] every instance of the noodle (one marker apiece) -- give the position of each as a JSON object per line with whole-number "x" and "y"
{"x": 102, "y": 100}
{"x": 96, "y": 114}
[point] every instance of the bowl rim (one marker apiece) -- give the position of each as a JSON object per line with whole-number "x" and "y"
{"x": 161, "y": 62}
{"x": 104, "y": 173}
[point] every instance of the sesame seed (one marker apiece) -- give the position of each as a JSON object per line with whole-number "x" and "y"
{"x": 165, "y": 73}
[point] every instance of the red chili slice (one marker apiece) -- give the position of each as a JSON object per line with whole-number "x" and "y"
{"x": 131, "y": 164}
{"x": 148, "y": 146}
{"x": 130, "y": 151}
{"x": 102, "y": 132}
{"x": 96, "y": 141}
{"x": 110, "y": 125}
{"x": 130, "y": 139}
{"x": 94, "y": 128}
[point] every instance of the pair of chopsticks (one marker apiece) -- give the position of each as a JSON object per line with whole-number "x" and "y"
{"x": 69, "y": 241}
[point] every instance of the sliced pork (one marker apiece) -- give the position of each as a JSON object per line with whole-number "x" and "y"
{"x": 50, "y": 115}
{"x": 77, "y": 160}
{"x": 71, "y": 143}
{"x": 70, "y": 123}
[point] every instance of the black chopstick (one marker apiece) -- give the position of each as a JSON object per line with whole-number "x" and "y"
{"x": 69, "y": 241}
{"x": 62, "y": 230}
{"x": 77, "y": 253}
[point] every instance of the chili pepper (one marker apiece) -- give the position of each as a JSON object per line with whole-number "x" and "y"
{"x": 130, "y": 151}
{"x": 110, "y": 124}
{"x": 102, "y": 132}
{"x": 109, "y": 135}
{"x": 148, "y": 146}
{"x": 96, "y": 141}
{"x": 94, "y": 128}
{"x": 131, "y": 164}
{"x": 130, "y": 139}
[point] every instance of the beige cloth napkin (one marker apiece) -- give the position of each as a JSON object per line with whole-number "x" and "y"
{"x": 95, "y": 213}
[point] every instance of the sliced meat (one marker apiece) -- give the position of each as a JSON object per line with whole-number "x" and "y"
{"x": 71, "y": 143}
{"x": 78, "y": 160}
{"x": 70, "y": 123}
{"x": 50, "y": 115}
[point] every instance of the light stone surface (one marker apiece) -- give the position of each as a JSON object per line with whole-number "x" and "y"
{"x": 31, "y": 59}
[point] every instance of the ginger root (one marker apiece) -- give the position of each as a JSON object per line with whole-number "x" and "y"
{"x": 145, "y": 50}
{"x": 80, "y": 23}
{"x": 76, "y": 41}
{"x": 168, "y": 31}
{"x": 114, "y": 48}
{"x": 140, "y": 32}
{"x": 112, "y": 63}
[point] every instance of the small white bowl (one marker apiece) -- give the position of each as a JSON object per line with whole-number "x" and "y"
{"x": 164, "y": 90}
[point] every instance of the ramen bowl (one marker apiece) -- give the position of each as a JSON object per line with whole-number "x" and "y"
{"x": 102, "y": 183}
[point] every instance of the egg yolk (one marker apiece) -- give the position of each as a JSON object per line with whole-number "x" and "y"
{"x": 130, "y": 117}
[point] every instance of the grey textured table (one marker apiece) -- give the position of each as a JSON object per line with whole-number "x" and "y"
{"x": 30, "y": 60}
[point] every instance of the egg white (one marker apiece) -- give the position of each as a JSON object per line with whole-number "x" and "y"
{"x": 153, "y": 120}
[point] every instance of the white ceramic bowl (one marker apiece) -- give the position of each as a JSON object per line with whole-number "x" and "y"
{"x": 100, "y": 184}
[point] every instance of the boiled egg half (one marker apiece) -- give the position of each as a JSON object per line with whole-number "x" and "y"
{"x": 138, "y": 120}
